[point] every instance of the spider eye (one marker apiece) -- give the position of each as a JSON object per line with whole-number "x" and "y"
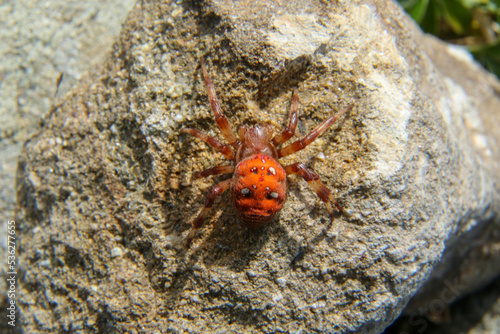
{"x": 245, "y": 191}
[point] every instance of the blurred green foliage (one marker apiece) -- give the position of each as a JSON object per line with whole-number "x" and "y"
{"x": 472, "y": 23}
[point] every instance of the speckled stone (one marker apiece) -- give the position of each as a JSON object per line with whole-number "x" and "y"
{"x": 415, "y": 164}
{"x": 39, "y": 41}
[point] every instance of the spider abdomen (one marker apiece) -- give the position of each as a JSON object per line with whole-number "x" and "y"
{"x": 258, "y": 189}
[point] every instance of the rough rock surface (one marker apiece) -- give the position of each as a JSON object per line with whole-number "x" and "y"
{"x": 474, "y": 314}
{"x": 105, "y": 189}
{"x": 39, "y": 40}
{"x": 472, "y": 246}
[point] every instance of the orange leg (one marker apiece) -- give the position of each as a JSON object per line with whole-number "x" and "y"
{"x": 292, "y": 125}
{"x": 212, "y": 141}
{"x": 302, "y": 143}
{"x": 315, "y": 183}
{"x": 217, "y": 190}
{"x": 214, "y": 171}
{"x": 221, "y": 120}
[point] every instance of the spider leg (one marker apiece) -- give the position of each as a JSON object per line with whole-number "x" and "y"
{"x": 221, "y": 120}
{"x": 302, "y": 143}
{"x": 217, "y": 190}
{"x": 214, "y": 171}
{"x": 212, "y": 141}
{"x": 289, "y": 131}
{"x": 315, "y": 183}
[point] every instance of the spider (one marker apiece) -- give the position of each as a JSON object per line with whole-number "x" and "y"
{"x": 258, "y": 185}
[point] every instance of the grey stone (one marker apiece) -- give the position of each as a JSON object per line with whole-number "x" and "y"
{"x": 489, "y": 322}
{"x": 39, "y": 40}
{"x": 116, "y": 252}
{"x": 415, "y": 164}
{"x": 473, "y": 314}
{"x": 472, "y": 254}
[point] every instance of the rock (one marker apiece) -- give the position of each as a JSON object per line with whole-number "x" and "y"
{"x": 116, "y": 252}
{"x": 473, "y": 314}
{"x": 415, "y": 164}
{"x": 39, "y": 41}
{"x": 472, "y": 254}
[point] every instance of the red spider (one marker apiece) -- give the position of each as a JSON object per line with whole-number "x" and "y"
{"x": 258, "y": 186}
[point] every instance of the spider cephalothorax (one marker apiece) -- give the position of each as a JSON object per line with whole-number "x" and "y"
{"x": 258, "y": 185}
